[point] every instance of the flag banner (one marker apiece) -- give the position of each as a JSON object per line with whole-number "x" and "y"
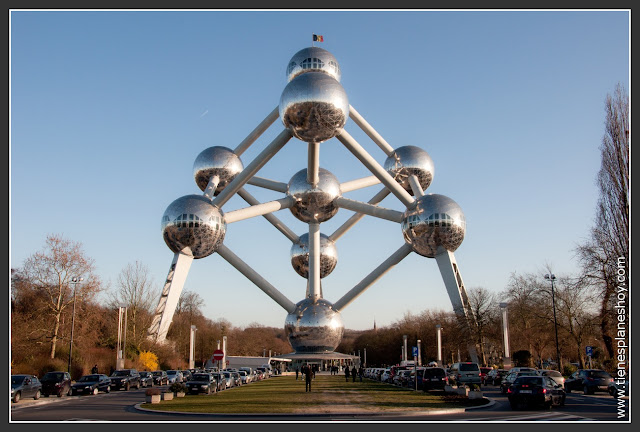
{"x": 318, "y": 38}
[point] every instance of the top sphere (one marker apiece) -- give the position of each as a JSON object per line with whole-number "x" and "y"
{"x": 407, "y": 161}
{"x": 435, "y": 221}
{"x": 313, "y": 59}
{"x": 217, "y": 160}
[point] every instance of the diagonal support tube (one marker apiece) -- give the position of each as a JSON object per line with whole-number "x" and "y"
{"x": 259, "y": 209}
{"x": 366, "y": 127}
{"x": 280, "y": 226}
{"x": 364, "y": 182}
{"x": 251, "y": 169}
{"x": 368, "y": 209}
{"x": 415, "y": 186}
{"x": 385, "y": 178}
{"x": 376, "y": 274}
{"x": 254, "y": 277}
{"x": 268, "y": 184}
{"x": 259, "y": 130}
{"x": 356, "y": 217}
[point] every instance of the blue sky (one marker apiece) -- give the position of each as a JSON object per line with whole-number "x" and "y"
{"x": 109, "y": 110}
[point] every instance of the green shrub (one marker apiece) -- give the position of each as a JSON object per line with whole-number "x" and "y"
{"x": 178, "y": 387}
{"x": 152, "y": 391}
{"x": 568, "y": 369}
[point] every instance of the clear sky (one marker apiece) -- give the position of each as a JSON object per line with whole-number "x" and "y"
{"x": 109, "y": 110}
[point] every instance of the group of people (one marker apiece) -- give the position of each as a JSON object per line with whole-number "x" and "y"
{"x": 353, "y": 372}
{"x": 309, "y": 373}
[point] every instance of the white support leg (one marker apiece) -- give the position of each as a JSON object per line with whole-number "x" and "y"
{"x": 356, "y": 184}
{"x": 280, "y": 226}
{"x": 415, "y": 186}
{"x": 314, "y": 261}
{"x": 349, "y": 223}
{"x": 170, "y": 295}
{"x": 457, "y": 293}
{"x": 259, "y": 209}
{"x": 366, "y": 127}
{"x": 369, "y": 209}
{"x": 259, "y": 130}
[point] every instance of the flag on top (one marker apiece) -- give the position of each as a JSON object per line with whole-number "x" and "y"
{"x": 318, "y": 38}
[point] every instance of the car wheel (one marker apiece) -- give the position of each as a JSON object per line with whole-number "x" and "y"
{"x": 586, "y": 390}
{"x": 16, "y": 397}
{"x": 95, "y": 391}
{"x": 126, "y": 387}
{"x": 108, "y": 389}
{"x": 37, "y": 395}
{"x": 70, "y": 392}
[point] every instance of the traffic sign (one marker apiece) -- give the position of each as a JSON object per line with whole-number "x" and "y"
{"x": 589, "y": 351}
{"x": 415, "y": 351}
{"x": 218, "y": 355}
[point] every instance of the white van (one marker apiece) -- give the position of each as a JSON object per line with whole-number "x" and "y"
{"x": 465, "y": 373}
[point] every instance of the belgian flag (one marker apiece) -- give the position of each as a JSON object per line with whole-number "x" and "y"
{"x": 318, "y": 38}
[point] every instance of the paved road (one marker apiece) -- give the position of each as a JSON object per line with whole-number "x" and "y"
{"x": 120, "y": 406}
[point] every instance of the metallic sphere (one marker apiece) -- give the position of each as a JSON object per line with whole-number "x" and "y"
{"x": 313, "y": 59}
{"x": 410, "y": 160}
{"x": 314, "y": 106}
{"x": 192, "y": 221}
{"x": 314, "y": 327}
{"x": 314, "y": 204}
{"x": 436, "y": 220}
{"x": 220, "y": 161}
{"x": 300, "y": 256}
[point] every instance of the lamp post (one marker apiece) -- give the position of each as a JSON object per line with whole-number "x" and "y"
{"x": 552, "y": 278}
{"x": 506, "y": 360}
{"x": 74, "y": 280}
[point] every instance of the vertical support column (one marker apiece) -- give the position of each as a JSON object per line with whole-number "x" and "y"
{"x": 419, "y": 353}
{"x": 192, "y": 345}
{"x": 313, "y": 164}
{"x": 224, "y": 350}
{"x": 404, "y": 348}
{"x": 457, "y": 294}
{"x": 314, "y": 261}
{"x": 439, "y": 344}
{"x": 506, "y": 360}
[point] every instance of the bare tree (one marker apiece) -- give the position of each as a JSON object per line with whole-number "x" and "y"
{"x": 135, "y": 290}
{"x": 608, "y": 246}
{"x": 49, "y": 273}
{"x": 484, "y": 307}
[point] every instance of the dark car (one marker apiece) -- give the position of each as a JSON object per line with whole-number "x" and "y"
{"x": 160, "y": 377}
{"x": 221, "y": 381}
{"x": 494, "y": 376}
{"x": 483, "y": 374}
{"x": 186, "y": 375}
{"x": 57, "y": 383}
{"x": 535, "y": 391}
{"x": 125, "y": 378}
{"x": 511, "y": 377}
{"x": 618, "y": 388}
{"x": 146, "y": 379}
{"x": 91, "y": 384}
{"x": 202, "y": 383}
{"x": 588, "y": 380}
{"x": 25, "y": 386}
{"x": 434, "y": 378}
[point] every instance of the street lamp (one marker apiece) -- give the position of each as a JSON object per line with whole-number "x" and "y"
{"x": 552, "y": 278}
{"x": 74, "y": 280}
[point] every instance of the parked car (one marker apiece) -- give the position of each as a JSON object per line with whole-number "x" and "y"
{"x": 386, "y": 375}
{"x": 483, "y": 374}
{"x": 160, "y": 377}
{"x": 175, "y": 376}
{"x": 202, "y": 383}
{"x": 553, "y": 374}
{"x": 401, "y": 377}
{"x": 146, "y": 379}
{"x": 125, "y": 378}
{"x": 91, "y": 384}
{"x": 617, "y": 388}
{"x": 244, "y": 376}
{"x": 434, "y": 378}
{"x": 25, "y": 386}
{"x": 221, "y": 381}
{"x": 465, "y": 373}
{"x": 529, "y": 390}
{"x": 588, "y": 380}
{"x": 231, "y": 382}
{"x": 411, "y": 380}
{"x": 57, "y": 383}
{"x": 186, "y": 375}
{"x": 511, "y": 377}
{"x": 494, "y": 376}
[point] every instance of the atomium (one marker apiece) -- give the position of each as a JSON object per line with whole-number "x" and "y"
{"x": 313, "y": 108}
{"x": 300, "y": 256}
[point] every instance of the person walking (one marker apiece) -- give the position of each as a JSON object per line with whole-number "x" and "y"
{"x": 354, "y": 372}
{"x": 360, "y": 372}
{"x": 94, "y": 369}
{"x": 346, "y": 373}
{"x": 308, "y": 377}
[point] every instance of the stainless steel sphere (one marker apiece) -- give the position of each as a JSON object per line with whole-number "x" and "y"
{"x": 410, "y": 160}
{"x": 436, "y": 220}
{"x": 300, "y": 256}
{"x": 314, "y": 327}
{"x": 314, "y": 204}
{"x": 314, "y": 106}
{"x": 220, "y": 161}
{"x": 313, "y": 59}
{"x": 192, "y": 221}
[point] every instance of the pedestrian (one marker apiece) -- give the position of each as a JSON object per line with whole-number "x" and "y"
{"x": 360, "y": 373}
{"x": 353, "y": 373}
{"x": 346, "y": 373}
{"x": 297, "y": 372}
{"x": 94, "y": 369}
{"x": 111, "y": 370}
{"x": 308, "y": 377}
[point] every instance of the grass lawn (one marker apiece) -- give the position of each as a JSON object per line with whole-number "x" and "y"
{"x": 329, "y": 394}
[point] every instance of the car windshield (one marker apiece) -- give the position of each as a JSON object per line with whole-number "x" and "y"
{"x": 15, "y": 380}
{"x": 87, "y": 378}
{"x": 553, "y": 374}
{"x": 227, "y": 374}
{"x": 53, "y": 376}
{"x": 200, "y": 377}
{"x": 434, "y": 373}
{"x": 144, "y": 374}
{"x": 157, "y": 373}
{"x": 599, "y": 374}
{"x": 528, "y": 380}
{"x": 120, "y": 373}
{"x": 172, "y": 372}
{"x": 469, "y": 367}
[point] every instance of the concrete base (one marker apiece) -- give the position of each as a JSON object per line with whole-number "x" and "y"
{"x": 463, "y": 391}
{"x": 475, "y": 395}
{"x": 167, "y": 396}
{"x": 154, "y": 399}
{"x": 449, "y": 389}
